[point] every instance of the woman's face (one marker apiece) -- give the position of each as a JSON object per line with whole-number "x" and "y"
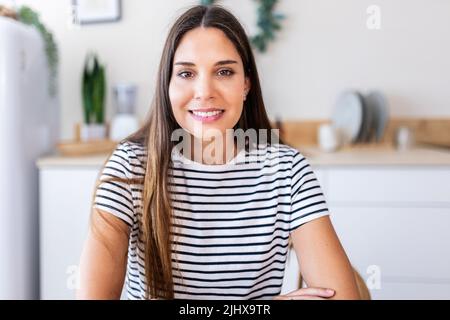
{"x": 208, "y": 84}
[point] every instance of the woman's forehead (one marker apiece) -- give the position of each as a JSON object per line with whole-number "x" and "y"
{"x": 202, "y": 45}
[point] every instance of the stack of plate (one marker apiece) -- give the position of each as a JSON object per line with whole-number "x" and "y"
{"x": 360, "y": 118}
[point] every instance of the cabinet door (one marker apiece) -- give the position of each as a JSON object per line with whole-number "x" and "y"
{"x": 400, "y": 247}
{"x": 401, "y": 290}
{"x": 65, "y": 200}
{"x": 291, "y": 273}
{"x": 389, "y": 185}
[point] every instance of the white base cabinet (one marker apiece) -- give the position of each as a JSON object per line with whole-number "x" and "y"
{"x": 65, "y": 200}
{"x": 393, "y": 223}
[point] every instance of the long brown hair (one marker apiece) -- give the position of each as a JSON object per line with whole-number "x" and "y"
{"x": 155, "y": 134}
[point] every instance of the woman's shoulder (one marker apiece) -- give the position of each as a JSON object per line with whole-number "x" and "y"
{"x": 284, "y": 150}
{"x": 132, "y": 147}
{"x": 276, "y": 155}
{"x": 286, "y": 157}
{"x": 130, "y": 157}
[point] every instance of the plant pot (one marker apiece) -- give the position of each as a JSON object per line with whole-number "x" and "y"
{"x": 92, "y": 131}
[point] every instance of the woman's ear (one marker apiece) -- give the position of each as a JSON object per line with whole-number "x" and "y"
{"x": 247, "y": 84}
{"x": 246, "y": 87}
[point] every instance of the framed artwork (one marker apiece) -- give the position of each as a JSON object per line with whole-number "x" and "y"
{"x": 96, "y": 11}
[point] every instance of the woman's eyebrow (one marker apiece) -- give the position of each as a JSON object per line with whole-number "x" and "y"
{"x": 191, "y": 64}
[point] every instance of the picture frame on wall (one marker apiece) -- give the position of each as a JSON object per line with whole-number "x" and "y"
{"x": 96, "y": 11}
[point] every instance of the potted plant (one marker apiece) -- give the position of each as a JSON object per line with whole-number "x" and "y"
{"x": 93, "y": 94}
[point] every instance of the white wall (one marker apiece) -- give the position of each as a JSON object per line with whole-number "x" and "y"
{"x": 324, "y": 47}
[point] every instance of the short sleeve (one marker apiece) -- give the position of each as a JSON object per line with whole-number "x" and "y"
{"x": 114, "y": 193}
{"x": 307, "y": 199}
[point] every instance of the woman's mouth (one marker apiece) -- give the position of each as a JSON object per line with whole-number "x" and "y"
{"x": 207, "y": 115}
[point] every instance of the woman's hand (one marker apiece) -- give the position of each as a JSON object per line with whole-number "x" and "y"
{"x": 307, "y": 294}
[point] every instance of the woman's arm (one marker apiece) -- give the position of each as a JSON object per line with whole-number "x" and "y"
{"x": 323, "y": 262}
{"x": 104, "y": 258}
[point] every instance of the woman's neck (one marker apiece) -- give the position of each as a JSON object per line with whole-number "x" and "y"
{"x": 212, "y": 152}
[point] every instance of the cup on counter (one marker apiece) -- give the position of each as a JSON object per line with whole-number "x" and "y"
{"x": 404, "y": 138}
{"x": 329, "y": 138}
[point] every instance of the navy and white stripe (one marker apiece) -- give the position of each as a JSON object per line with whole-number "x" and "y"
{"x": 231, "y": 222}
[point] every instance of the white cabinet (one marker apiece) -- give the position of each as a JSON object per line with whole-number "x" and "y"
{"x": 406, "y": 186}
{"x": 404, "y": 246}
{"x": 65, "y": 199}
{"x": 393, "y": 223}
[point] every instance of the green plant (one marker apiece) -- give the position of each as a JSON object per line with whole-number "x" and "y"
{"x": 28, "y": 16}
{"x": 93, "y": 90}
{"x": 268, "y": 22}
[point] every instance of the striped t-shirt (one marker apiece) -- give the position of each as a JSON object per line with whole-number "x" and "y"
{"x": 231, "y": 222}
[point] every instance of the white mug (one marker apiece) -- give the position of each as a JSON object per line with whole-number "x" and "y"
{"x": 404, "y": 138}
{"x": 329, "y": 138}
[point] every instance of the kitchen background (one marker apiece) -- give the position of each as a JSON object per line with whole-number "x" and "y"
{"x": 324, "y": 46}
{"x": 390, "y": 198}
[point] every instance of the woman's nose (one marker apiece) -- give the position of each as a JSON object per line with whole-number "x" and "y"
{"x": 204, "y": 88}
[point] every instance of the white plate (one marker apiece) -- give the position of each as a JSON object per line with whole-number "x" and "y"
{"x": 348, "y": 115}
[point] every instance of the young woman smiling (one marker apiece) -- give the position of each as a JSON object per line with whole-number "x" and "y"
{"x": 172, "y": 225}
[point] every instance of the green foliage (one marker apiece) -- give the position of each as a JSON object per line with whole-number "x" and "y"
{"x": 28, "y": 16}
{"x": 268, "y": 23}
{"x": 93, "y": 90}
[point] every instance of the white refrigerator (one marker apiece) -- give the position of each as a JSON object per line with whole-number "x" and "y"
{"x": 29, "y": 119}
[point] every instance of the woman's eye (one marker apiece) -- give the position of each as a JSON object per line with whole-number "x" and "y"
{"x": 225, "y": 72}
{"x": 185, "y": 74}
{"x": 189, "y": 74}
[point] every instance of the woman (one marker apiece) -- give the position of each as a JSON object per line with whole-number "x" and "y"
{"x": 207, "y": 226}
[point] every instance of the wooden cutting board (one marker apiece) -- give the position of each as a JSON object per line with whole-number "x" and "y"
{"x": 84, "y": 148}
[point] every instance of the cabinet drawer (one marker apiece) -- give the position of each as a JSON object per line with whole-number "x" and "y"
{"x": 401, "y": 242}
{"x": 388, "y": 185}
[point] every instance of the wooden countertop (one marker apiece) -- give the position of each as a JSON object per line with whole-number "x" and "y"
{"x": 348, "y": 156}
{"x": 95, "y": 161}
{"x": 373, "y": 156}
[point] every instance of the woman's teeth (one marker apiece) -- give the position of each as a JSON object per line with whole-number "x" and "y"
{"x": 207, "y": 114}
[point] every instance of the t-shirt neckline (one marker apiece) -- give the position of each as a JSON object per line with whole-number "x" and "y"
{"x": 239, "y": 158}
